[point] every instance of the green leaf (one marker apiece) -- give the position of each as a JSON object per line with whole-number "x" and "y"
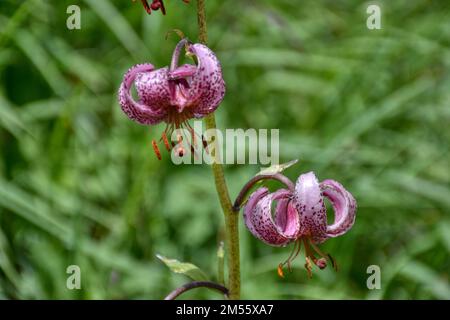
{"x": 186, "y": 268}
{"x": 276, "y": 168}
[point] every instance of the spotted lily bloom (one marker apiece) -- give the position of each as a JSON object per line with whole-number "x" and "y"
{"x": 300, "y": 216}
{"x": 176, "y": 93}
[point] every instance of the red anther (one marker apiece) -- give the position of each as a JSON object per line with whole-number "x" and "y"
{"x": 194, "y": 152}
{"x": 180, "y": 151}
{"x": 158, "y": 4}
{"x": 156, "y": 149}
{"x": 163, "y": 9}
{"x": 333, "y": 263}
{"x": 146, "y": 6}
{"x": 205, "y": 144}
{"x": 194, "y": 141}
{"x": 280, "y": 271}
{"x": 321, "y": 263}
{"x": 166, "y": 142}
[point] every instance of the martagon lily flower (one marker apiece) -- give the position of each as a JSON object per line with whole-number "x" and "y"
{"x": 176, "y": 93}
{"x": 300, "y": 217}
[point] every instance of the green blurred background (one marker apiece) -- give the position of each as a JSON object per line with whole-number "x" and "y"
{"x": 79, "y": 183}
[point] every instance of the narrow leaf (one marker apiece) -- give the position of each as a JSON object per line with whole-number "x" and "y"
{"x": 186, "y": 268}
{"x": 276, "y": 168}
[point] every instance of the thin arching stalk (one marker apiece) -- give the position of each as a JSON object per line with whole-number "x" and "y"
{"x": 196, "y": 284}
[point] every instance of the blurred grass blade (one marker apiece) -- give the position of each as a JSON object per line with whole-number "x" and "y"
{"x": 436, "y": 192}
{"x": 10, "y": 25}
{"x": 89, "y": 71}
{"x": 10, "y": 120}
{"x": 419, "y": 272}
{"x": 6, "y": 265}
{"x": 444, "y": 230}
{"x": 119, "y": 27}
{"x": 39, "y": 57}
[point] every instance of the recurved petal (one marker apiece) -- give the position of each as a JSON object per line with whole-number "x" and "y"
{"x": 250, "y": 208}
{"x": 207, "y": 87}
{"x": 344, "y": 206}
{"x": 258, "y": 218}
{"x": 182, "y": 72}
{"x": 287, "y": 218}
{"x": 150, "y": 108}
{"x": 311, "y": 208}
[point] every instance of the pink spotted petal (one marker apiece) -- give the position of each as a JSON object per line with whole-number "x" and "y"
{"x": 258, "y": 218}
{"x": 148, "y": 109}
{"x": 344, "y": 206}
{"x": 287, "y": 218}
{"x": 250, "y": 207}
{"x": 153, "y": 89}
{"x": 281, "y": 219}
{"x": 309, "y": 203}
{"x": 207, "y": 87}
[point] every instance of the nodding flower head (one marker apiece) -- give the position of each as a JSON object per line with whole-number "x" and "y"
{"x": 156, "y": 5}
{"x": 300, "y": 216}
{"x": 176, "y": 93}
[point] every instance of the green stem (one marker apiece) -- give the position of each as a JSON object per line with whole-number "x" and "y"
{"x": 231, "y": 218}
{"x": 201, "y": 19}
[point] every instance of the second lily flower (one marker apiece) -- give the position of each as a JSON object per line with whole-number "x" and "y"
{"x": 300, "y": 217}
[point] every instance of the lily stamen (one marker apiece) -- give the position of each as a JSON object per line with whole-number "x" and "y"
{"x": 294, "y": 253}
{"x": 166, "y": 142}
{"x": 308, "y": 267}
{"x": 324, "y": 256}
{"x": 309, "y": 255}
{"x": 333, "y": 262}
{"x": 156, "y": 149}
